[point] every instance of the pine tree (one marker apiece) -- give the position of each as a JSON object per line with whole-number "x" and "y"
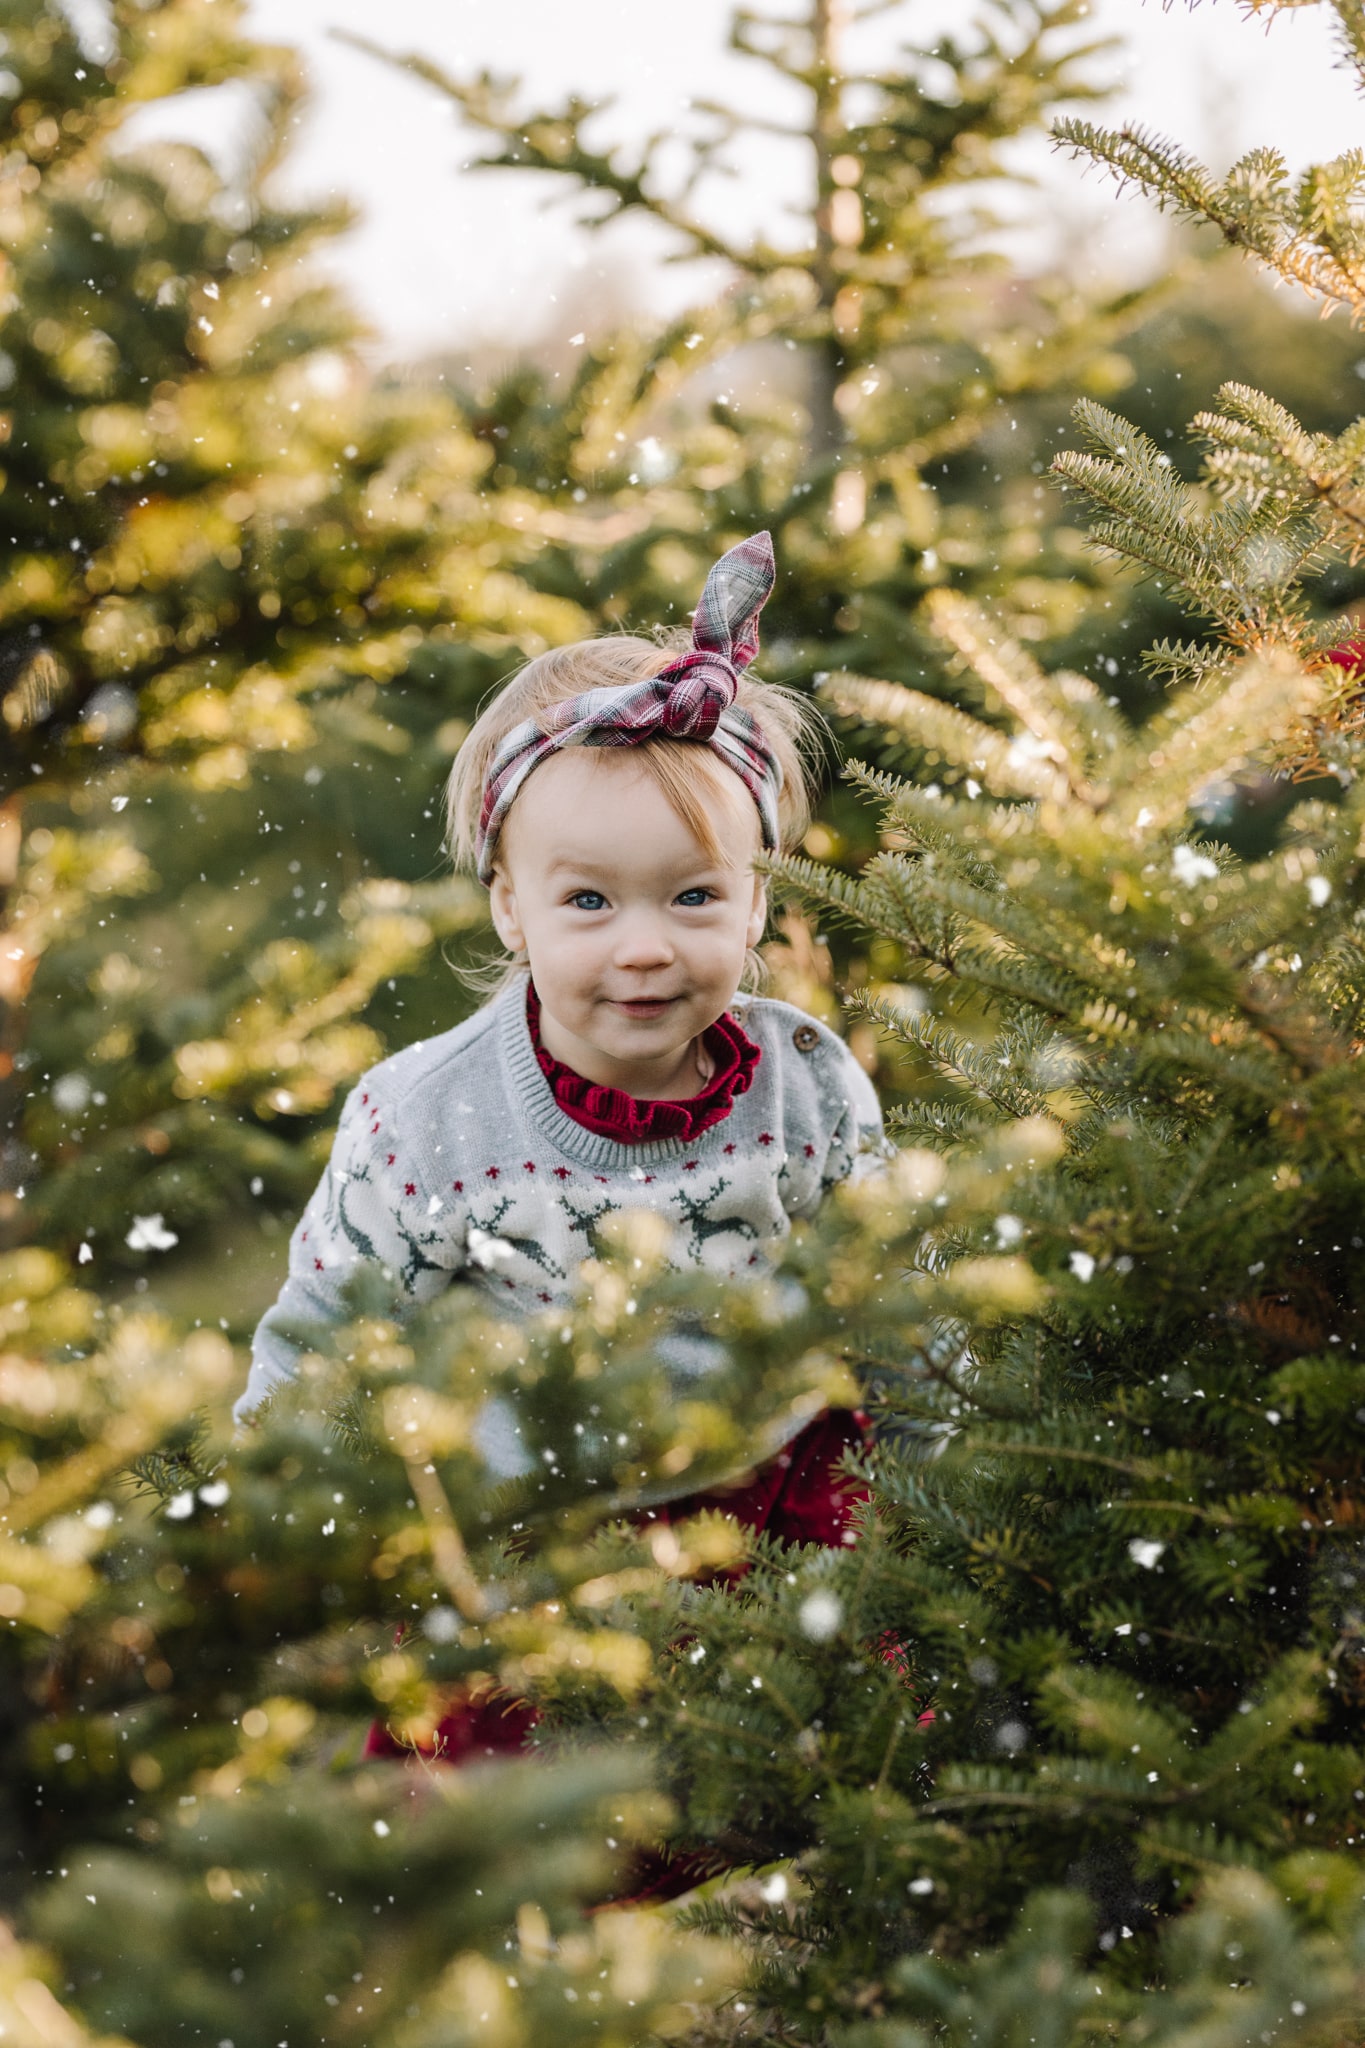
{"x": 1068, "y": 1745}
{"x": 1108, "y": 1311}
{"x": 197, "y": 1636}
{"x": 890, "y": 396}
{"x": 256, "y": 622}
{"x": 243, "y": 605}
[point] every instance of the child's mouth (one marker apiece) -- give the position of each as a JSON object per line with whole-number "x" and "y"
{"x": 646, "y": 1006}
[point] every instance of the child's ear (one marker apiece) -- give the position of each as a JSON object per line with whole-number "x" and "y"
{"x": 758, "y": 917}
{"x": 502, "y": 906}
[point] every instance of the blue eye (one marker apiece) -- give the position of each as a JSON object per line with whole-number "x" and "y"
{"x": 694, "y": 898}
{"x": 587, "y": 899}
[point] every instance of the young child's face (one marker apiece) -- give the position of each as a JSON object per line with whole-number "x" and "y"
{"x": 635, "y": 938}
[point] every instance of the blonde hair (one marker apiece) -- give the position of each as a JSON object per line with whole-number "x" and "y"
{"x": 685, "y": 770}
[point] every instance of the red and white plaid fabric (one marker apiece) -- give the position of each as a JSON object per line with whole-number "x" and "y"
{"x": 692, "y": 699}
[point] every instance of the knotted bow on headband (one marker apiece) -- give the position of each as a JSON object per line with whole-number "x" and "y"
{"x": 692, "y": 699}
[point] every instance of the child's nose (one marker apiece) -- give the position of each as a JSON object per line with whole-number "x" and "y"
{"x": 643, "y": 941}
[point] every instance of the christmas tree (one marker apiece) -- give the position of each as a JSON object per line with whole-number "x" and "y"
{"x": 198, "y": 1636}
{"x": 226, "y": 550}
{"x": 872, "y": 387}
{"x": 1067, "y": 1746}
{"x": 1106, "y": 1303}
{"x": 232, "y": 570}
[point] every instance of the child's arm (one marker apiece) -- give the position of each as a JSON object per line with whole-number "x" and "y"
{"x": 354, "y": 1221}
{"x": 839, "y": 1107}
{"x": 858, "y": 1144}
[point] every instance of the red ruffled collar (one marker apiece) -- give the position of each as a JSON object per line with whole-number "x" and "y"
{"x": 611, "y": 1113}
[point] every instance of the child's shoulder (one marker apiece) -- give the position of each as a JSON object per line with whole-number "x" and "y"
{"x": 808, "y": 1054}
{"x": 423, "y": 1068}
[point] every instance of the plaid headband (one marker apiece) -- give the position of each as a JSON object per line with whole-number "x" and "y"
{"x": 692, "y": 699}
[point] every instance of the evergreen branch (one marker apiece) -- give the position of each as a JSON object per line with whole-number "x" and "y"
{"x": 1203, "y": 738}
{"x": 953, "y": 1057}
{"x": 926, "y": 1367}
{"x": 941, "y": 1125}
{"x": 172, "y": 1468}
{"x": 931, "y": 821}
{"x": 1189, "y": 1049}
{"x": 1043, "y": 705}
{"x": 944, "y": 733}
{"x": 1150, "y": 516}
{"x": 1074, "y": 1790}
{"x": 1187, "y": 664}
{"x": 852, "y": 898}
{"x": 1052, "y": 1449}
{"x": 1272, "y": 441}
{"x": 1349, "y": 23}
{"x": 1041, "y": 955}
{"x": 1309, "y": 234}
{"x": 448, "y": 1552}
{"x": 551, "y": 141}
{"x": 1167, "y": 174}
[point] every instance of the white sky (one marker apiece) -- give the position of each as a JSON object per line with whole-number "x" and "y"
{"x": 440, "y": 258}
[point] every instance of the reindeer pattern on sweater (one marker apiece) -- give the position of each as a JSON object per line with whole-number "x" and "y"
{"x": 453, "y": 1163}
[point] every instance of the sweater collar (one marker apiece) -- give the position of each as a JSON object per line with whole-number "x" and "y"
{"x": 611, "y": 1113}
{"x": 531, "y": 1092}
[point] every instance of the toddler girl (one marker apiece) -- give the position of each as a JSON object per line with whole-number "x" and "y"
{"x": 612, "y": 797}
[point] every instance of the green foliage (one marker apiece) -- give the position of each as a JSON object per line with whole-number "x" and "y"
{"x": 189, "y": 1675}
{"x": 232, "y": 570}
{"x": 886, "y": 400}
{"x": 1066, "y": 1746}
{"x": 1277, "y": 502}
{"x": 1109, "y": 1319}
{"x": 1307, "y": 230}
{"x": 370, "y": 1882}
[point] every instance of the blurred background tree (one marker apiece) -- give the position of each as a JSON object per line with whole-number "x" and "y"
{"x": 875, "y": 385}
{"x": 872, "y": 385}
{"x": 223, "y": 547}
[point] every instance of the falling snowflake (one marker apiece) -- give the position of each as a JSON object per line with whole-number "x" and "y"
{"x": 442, "y": 1625}
{"x": 1190, "y": 867}
{"x": 71, "y": 1094}
{"x": 488, "y": 1251}
{"x": 820, "y": 1615}
{"x": 149, "y": 1234}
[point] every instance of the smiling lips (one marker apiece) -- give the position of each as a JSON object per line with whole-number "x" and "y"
{"x": 644, "y": 1006}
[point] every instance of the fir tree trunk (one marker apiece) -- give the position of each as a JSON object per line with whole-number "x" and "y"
{"x": 829, "y": 21}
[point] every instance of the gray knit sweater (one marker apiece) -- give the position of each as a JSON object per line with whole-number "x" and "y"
{"x": 453, "y": 1161}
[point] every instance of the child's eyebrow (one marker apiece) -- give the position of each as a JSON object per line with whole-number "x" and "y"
{"x": 567, "y": 863}
{"x": 564, "y": 863}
